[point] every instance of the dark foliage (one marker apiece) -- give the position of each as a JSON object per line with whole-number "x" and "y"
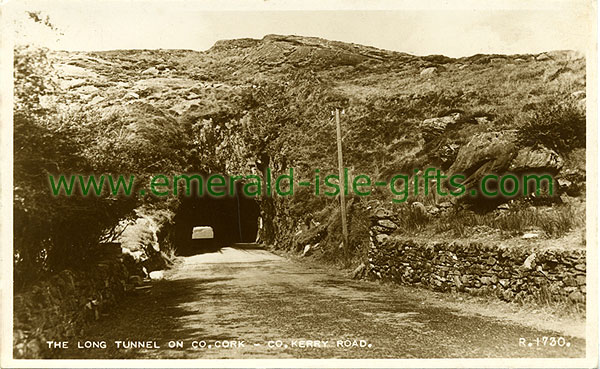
{"x": 556, "y": 124}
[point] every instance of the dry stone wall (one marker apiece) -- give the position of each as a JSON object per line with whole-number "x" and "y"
{"x": 511, "y": 274}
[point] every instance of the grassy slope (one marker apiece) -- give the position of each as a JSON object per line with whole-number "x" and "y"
{"x": 384, "y": 93}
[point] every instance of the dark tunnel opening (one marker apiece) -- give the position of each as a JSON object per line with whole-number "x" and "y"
{"x": 234, "y": 219}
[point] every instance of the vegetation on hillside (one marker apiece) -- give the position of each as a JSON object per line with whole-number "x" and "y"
{"x": 264, "y": 103}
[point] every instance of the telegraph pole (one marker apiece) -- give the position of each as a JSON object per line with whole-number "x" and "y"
{"x": 341, "y": 180}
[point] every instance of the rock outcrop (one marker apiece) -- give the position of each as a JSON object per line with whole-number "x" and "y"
{"x": 537, "y": 160}
{"x": 430, "y": 71}
{"x": 499, "y": 153}
{"x": 274, "y": 50}
{"x": 490, "y": 152}
{"x": 434, "y": 127}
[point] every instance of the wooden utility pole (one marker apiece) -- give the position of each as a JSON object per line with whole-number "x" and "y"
{"x": 341, "y": 180}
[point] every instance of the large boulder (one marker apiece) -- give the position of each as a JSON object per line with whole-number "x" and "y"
{"x": 87, "y": 89}
{"x": 67, "y": 71}
{"x": 151, "y": 71}
{"x": 66, "y": 84}
{"x": 565, "y": 55}
{"x": 499, "y": 153}
{"x": 433, "y": 127}
{"x": 536, "y": 160}
{"x": 486, "y": 153}
{"x": 430, "y": 71}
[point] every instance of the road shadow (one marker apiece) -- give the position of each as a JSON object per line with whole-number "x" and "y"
{"x": 163, "y": 313}
{"x": 220, "y": 298}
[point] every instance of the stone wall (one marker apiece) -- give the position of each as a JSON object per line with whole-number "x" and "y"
{"x": 512, "y": 274}
{"x": 61, "y": 306}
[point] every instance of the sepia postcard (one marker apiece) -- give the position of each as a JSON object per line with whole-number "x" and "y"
{"x": 283, "y": 183}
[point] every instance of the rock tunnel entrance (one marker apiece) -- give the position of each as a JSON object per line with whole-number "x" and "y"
{"x": 234, "y": 219}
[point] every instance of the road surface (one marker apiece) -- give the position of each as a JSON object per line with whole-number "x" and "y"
{"x": 270, "y": 307}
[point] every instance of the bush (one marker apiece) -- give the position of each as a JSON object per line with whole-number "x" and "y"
{"x": 53, "y": 232}
{"x": 56, "y": 232}
{"x": 558, "y": 125}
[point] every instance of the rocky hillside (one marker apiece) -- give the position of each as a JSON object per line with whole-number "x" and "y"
{"x": 414, "y": 101}
{"x": 267, "y": 103}
{"x": 489, "y": 84}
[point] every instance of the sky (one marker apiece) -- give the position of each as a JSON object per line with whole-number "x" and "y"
{"x": 452, "y": 28}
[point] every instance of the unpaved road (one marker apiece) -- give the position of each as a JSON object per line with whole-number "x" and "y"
{"x": 259, "y": 298}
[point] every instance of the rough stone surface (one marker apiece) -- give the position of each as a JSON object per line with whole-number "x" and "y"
{"x": 387, "y": 224}
{"x": 511, "y": 274}
{"x": 131, "y": 95}
{"x": 482, "y": 120}
{"x": 156, "y": 275}
{"x": 419, "y": 206}
{"x": 490, "y": 152}
{"x": 429, "y": 71}
{"x": 445, "y": 205}
{"x": 433, "y": 127}
{"x": 536, "y": 159}
{"x": 307, "y": 250}
{"x": 151, "y": 70}
{"x": 542, "y": 57}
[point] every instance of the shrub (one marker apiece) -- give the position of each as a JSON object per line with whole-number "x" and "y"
{"x": 412, "y": 219}
{"x": 558, "y": 125}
